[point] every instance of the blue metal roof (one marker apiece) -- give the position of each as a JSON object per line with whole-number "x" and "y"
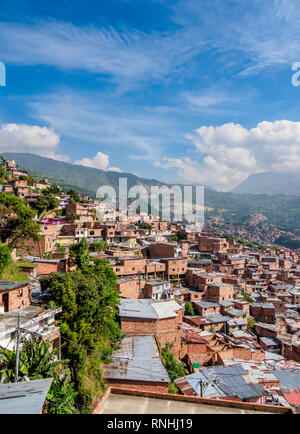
{"x": 24, "y": 397}
{"x": 287, "y": 379}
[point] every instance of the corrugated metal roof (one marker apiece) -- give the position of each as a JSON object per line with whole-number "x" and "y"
{"x": 223, "y": 381}
{"x": 293, "y": 397}
{"x": 138, "y": 359}
{"x": 269, "y": 341}
{"x": 226, "y": 303}
{"x": 287, "y": 379}
{"x": 24, "y": 397}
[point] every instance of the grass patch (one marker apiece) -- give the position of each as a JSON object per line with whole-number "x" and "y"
{"x": 12, "y": 272}
{"x": 25, "y": 264}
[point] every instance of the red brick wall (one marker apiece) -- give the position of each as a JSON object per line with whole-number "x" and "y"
{"x": 139, "y": 385}
{"x": 46, "y": 268}
{"x": 15, "y": 300}
{"x": 132, "y": 326}
{"x": 130, "y": 288}
{"x": 220, "y": 293}
{"x": 165, "y": 330}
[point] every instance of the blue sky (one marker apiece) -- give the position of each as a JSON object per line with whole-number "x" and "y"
{"x": 194, "y": 91}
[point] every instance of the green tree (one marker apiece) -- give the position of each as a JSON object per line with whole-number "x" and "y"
{"x": 189, "y": 309}
{"x": 16, "y": 221}
{"x": 251, "y": 324}
{"x": 4, "y": 175}
{"x": 54, "y": 189}
{"x": 247, "y": 297}
{"x": 99, "y": 246}
{"x": 59, "y": 248}
{"x": 5, "y": 257}
{"x": 89, "y": 301}
{"x": 74, "y": 197}
{"x": 45, "y": 203}
{"x": 174, "y": 368}
{"x": 71, "y": 216}
{"x": 79, "y": 254}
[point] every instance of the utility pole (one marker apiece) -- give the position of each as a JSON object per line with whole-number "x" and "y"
{"x": 17, "y": 349}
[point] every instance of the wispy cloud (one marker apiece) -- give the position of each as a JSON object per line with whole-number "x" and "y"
{"x": 258, "y": 34}
{"x": 92, "y": 118}
{"x": 131, "y": 55}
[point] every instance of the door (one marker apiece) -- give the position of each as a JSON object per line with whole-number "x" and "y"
{"x": 5, "y": 302}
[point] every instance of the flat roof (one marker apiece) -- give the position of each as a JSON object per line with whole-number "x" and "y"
{"x": 148, "y": 308}
{"x": 126, "y": 404}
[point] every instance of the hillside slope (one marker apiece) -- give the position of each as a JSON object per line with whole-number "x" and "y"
{"x": 270, "y": 183}
{"x": 282, "y": 210}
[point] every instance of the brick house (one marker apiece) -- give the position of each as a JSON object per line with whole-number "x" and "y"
{"x": 14, "y": 295}
{"x": 146, "y": 317}
{"x": 219, "y": 291}
{"x": 263, "y": 312}
{"x": 212, "y": 244}
{"x": 44, "y": 267}
{"x": 175, "y": 266}
{"x": 168, "y": 250}
{"x": 130, "y": 287}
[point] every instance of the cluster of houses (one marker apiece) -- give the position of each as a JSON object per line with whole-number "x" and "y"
{"x": 231, "y": 313}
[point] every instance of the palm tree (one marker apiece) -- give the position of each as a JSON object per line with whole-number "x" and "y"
{"x": 61, "y": 395}
{"x": 36, "y": 361}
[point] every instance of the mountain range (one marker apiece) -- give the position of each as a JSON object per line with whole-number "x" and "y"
{"x": 281, "y": 210}
{"x": 270, "y": 183}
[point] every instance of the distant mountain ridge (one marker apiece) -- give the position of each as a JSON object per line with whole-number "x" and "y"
{"x": 82, "y": 176}
{"x": 270, "y": 183}
{"x": 281, "y": 210}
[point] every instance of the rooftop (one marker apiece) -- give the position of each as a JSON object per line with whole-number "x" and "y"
{"x": 127, "y": 404}
{"x": 24, "y": 397}
{"x": 148, "y": 308}
{"x": 137, "y": 359}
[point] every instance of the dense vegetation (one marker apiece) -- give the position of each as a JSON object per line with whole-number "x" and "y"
{"x": 45, "y": 203}
{"x": 288, "y": 242}
{"x": 174, "y": 367}
{"x": 16, "y": 221}
{"x": 189, "y": 309}
{"x": 245, "y": 243}
{"x": 90, "y": 332}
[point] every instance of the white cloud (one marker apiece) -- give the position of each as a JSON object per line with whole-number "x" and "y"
{"x": 115, "y": 169}
{"x": 128, "y": 55}
{"x": 99, "y": 161}
{"x": 30, "y": 138}
{"x": 231, "y": 153}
